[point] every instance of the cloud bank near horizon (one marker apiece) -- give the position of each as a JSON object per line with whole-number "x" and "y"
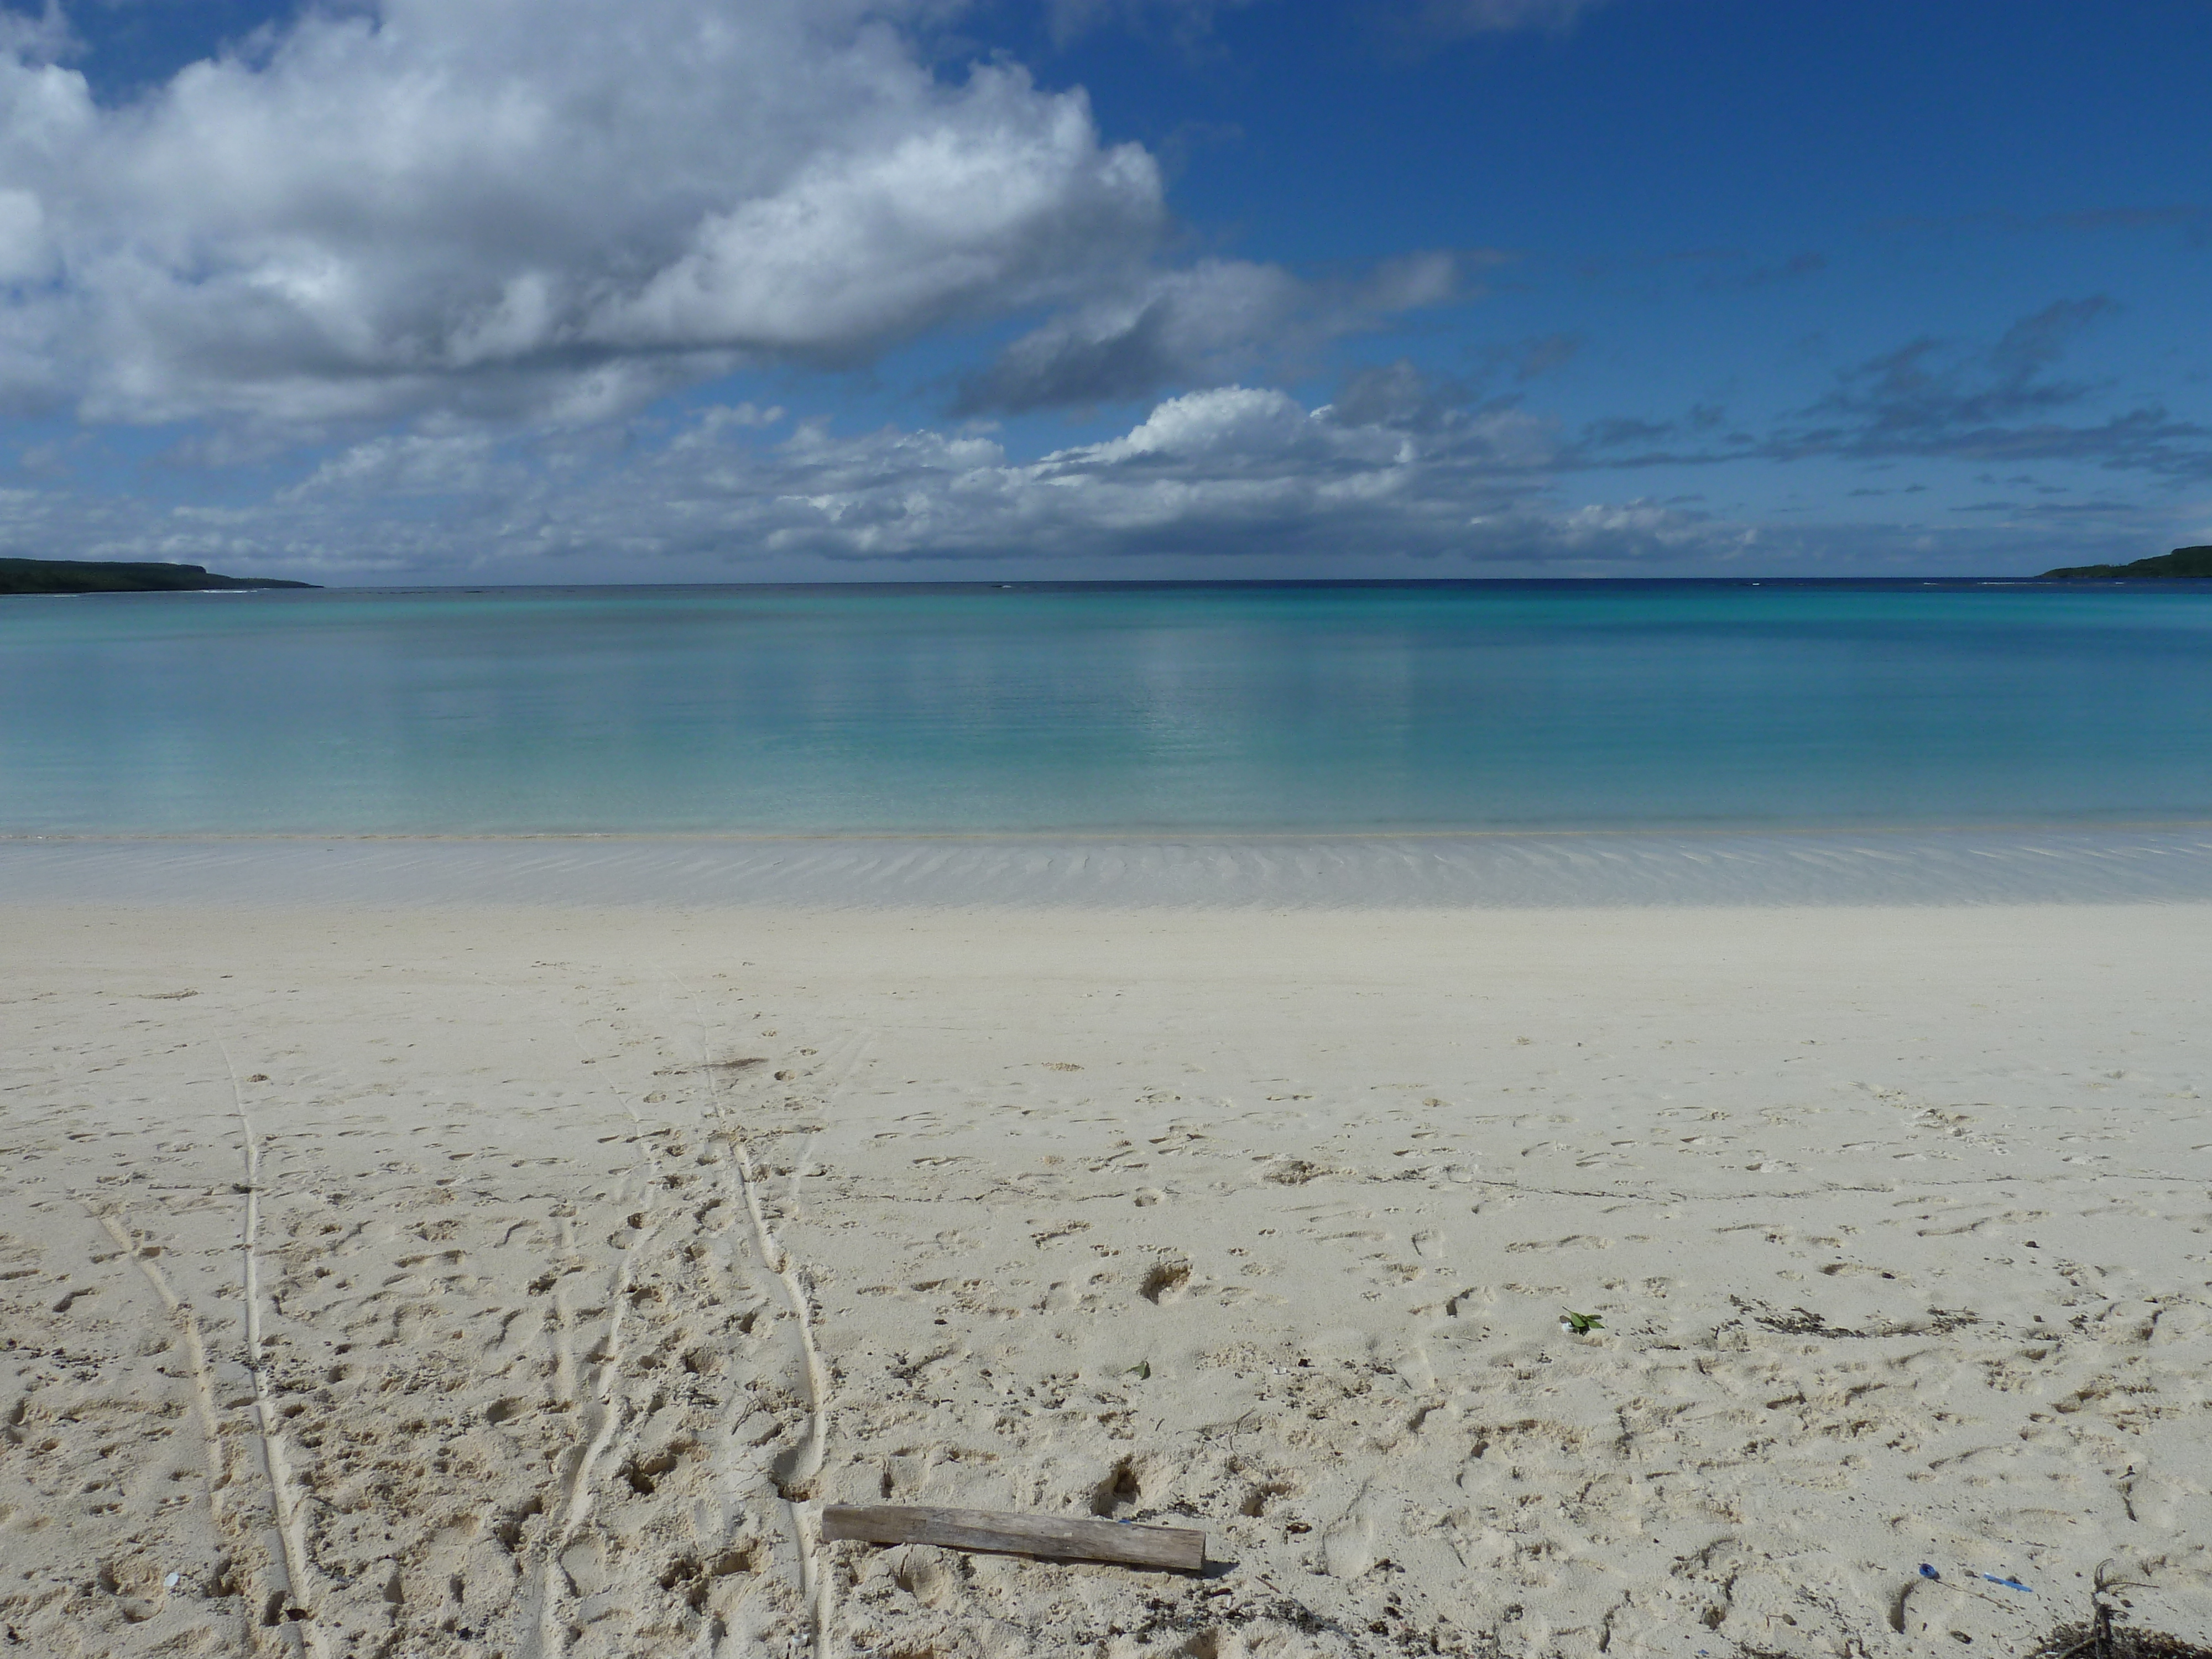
{"x": 1232, "y": 481}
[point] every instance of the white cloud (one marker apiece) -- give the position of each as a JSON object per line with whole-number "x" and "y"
{"x": 553, "y": 208}
{"x": 1231, "y": 421}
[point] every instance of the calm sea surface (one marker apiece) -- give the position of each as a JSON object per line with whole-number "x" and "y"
{"x": 1033, "y": 709}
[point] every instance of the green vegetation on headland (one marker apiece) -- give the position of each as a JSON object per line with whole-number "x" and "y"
{"x": 2182, "y": 561}
{"x": 99, "y": 576}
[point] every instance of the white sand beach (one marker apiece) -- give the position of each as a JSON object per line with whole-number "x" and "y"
{"x": 475, "y": 1280}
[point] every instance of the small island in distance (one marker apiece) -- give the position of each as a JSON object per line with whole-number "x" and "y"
{"x": 2182, "y": 561}
{"x": 105, "y": 576}
{"x": 102, "y": 576}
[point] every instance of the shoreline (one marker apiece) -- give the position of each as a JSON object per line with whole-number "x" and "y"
{"x": 598, "y": 1247}
{"x": 1140, "y": 835}
{"x": 1473, "y": 870}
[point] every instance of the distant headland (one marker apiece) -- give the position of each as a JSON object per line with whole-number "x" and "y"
{"x": 2182, "y": 561}
{"x": 100, "y": 577}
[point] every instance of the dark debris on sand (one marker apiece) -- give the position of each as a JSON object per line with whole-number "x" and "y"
{"x": 2104, "y": 1638}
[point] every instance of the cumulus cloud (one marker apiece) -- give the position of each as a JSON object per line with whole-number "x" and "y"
{"x": 545, "y": 207}
{"x": 1207, "y": 324}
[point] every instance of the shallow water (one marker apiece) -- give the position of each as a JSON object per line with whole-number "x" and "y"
{"x": 1040, "y": 708}
{"x": 1754, "y": 869}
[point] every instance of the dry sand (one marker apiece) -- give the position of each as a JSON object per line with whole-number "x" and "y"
{"x": 413, "y": 1282}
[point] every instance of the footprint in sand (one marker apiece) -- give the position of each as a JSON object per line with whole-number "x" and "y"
{"x": 1348, "y": 1549}
{"x": 1168, "y": 1282}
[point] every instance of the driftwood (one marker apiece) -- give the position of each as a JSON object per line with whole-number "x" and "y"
{"x": 1179, "y": 1549}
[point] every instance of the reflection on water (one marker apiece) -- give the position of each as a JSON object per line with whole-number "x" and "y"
{"x": 1342, "y": 707}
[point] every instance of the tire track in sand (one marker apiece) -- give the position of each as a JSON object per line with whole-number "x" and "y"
{"x": 113, "y": 1221}
{"x": 795, "y": 1469}
{"x": 297, "y": 1603}
{"x": 603, "y": 1416}
{"x": 188, "y": 1329}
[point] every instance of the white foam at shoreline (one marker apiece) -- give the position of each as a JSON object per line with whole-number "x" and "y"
{"x": 1534, "y": 871}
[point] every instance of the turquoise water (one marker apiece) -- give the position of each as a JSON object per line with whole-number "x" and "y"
{"x": 1035, "y": 708}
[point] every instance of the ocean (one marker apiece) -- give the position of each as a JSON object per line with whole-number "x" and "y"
{"x": 1328, "y": 709}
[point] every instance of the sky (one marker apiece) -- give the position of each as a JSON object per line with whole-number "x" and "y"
{"x": 474, "y": 291}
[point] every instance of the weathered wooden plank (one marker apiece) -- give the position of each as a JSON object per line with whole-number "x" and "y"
{"x": 1179, "y": 1549}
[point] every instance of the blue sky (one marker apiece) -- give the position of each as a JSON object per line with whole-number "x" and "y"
{"x": 544, "y": 291}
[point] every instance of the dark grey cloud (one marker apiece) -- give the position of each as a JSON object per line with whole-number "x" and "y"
{"x": 1934, "y": 400}
{"x": 2192, "y": 219}
{"x": 1719, "y": 270}
{"x": 1187, "y": 24}
{"x": 1615, "y": 431}
{"x": 1529, "y": 360}
{"x": 1213, "y": 323}
{"x": 1795, "y": 268}
{"x": 2000, "y": 403}
{"x": 1190, "y": 21}
{"x": 1618, "y": 432}
{"x": 1921, "y": 387}
{"x": 1458, "y": 19}
{"x": 1402, "y": 395}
